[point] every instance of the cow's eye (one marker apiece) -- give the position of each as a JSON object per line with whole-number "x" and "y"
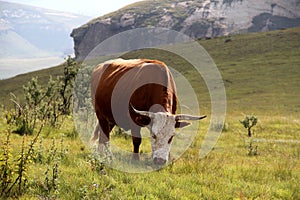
{"x": 154, "y": 137}
{"x": 170, "y": 140}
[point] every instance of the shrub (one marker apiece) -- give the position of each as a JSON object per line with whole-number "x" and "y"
{"x": 43, "y": 105}
{"x": 14, "y": 173}
{"x": 248, "y": 122}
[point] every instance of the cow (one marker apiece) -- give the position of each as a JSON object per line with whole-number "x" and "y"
{"x": 137, "y": 93}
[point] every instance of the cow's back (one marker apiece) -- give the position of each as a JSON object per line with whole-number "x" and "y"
{"x": 141, "y": 82}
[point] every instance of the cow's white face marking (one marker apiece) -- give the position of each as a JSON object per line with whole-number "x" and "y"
{"x": 162, "y": 130}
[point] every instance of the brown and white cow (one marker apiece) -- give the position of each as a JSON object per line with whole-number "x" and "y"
{"x": 136, "y": 93}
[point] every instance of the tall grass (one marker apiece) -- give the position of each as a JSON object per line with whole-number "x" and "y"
{"x": 227, "y": 172}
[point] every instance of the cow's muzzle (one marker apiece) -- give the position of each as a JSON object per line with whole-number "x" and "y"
{"x": 159, "y": 161}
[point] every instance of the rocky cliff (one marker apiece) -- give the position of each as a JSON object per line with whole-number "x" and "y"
{"x": 198, "y": 19}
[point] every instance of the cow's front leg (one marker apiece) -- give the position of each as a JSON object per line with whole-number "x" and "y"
{"x": 136, "y": 140}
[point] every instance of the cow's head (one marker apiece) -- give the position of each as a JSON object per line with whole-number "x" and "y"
{"x": 162, "y": 130}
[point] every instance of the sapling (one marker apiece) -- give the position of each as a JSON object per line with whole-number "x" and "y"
{"x": 249, "y": 122}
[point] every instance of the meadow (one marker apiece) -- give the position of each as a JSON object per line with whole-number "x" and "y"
{"x": 261, "y": 76}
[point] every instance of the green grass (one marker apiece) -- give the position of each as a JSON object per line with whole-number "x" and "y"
{"x": 15, "y": 85}
{"x": 261, "y": 75}
{"x": 226, "y": 173}
{"x": 260, "y": 71}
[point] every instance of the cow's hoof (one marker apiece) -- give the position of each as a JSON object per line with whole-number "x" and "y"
{"x": 101, "y": 148}
{"x": 135, "y": 156}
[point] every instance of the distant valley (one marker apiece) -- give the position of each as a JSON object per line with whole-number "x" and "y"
{"x": 32, "y": 38}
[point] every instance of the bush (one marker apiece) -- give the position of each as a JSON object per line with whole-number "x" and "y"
{"x": 14, "y": 173}
{"x": 249, "y": 122}
{"x": 43, "y": 105}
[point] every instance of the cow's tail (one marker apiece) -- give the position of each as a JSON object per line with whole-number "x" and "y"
{"x": 96, "y": 134}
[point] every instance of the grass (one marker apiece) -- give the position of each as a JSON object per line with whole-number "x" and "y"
{"x": 261, "y": 76}
{"x": 263, "y": 69}
{"x": 15, "y": 84}
{"x": 227, "y": 172}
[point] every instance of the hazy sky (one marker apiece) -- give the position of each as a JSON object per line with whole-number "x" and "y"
{"x": 84, "y": 7}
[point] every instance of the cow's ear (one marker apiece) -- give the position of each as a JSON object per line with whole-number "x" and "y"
{"x": 182, "y": 124}
{"x": 142, "y": 120}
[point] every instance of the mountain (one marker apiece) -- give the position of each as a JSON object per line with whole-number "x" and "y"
{"x": 34, "y": 37}
{"x": 198, "y": 19}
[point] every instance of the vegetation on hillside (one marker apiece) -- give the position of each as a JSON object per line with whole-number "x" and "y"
{"x": 252, "y": 65}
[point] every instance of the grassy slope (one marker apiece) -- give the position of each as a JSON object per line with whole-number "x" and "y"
{"x": 260, "y": 72}
{"x": 14, "y": 85}
{"x": 258, "y": 69}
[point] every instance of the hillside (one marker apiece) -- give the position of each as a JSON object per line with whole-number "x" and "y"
{"x": 262, "y": 77}
{"x": 29, "y": 33}
{"x": 260, "y": 71}
{"x": 197, "y": 19}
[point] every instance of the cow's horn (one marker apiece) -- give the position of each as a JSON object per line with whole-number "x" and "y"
{"x": 144, "y": 113}
{"x": 188, "y": 117}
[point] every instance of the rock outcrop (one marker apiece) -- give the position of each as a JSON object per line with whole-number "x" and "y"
{"x": 198, "y": 19}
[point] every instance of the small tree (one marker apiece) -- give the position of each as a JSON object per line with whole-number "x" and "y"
{"x": 34, "y": 109}
{"x": 249, "y": 122}
{"x": 44, "y": 104}
{"x": 66, "y": 84}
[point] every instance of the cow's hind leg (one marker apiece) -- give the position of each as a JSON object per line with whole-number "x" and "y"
{"x": 136, "y": 140}
{"x": 96, "y": 133}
